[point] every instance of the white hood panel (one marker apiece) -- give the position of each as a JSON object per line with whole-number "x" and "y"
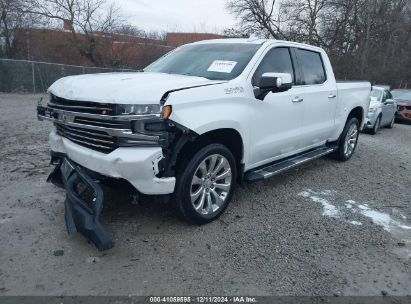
{"x": 125, "y": 88}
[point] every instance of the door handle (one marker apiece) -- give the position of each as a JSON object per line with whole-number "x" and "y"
{"x": 298, "y": 99}
{"x": 332, "y": 96}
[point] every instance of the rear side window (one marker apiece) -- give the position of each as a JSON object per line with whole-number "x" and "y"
{"x": 312, "y": 67}
{"x": 277, "y": 60}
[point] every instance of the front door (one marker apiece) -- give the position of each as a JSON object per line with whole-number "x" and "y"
{"x": 276, "y": 120}
{"x": 388, "y": 109}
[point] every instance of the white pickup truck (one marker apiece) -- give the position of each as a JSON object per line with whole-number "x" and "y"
{"x": 197, "y": 121}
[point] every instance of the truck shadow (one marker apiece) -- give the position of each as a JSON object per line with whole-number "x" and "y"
{"x": 124, "y": 206}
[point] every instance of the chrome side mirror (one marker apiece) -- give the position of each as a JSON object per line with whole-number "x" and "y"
{"x": 276, "y": 82}
{"x": 273, "y": 82}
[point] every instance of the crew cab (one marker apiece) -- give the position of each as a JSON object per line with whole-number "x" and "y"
{"x": 197, "y": 121}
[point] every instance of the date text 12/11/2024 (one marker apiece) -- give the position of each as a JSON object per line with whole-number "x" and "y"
{"x": 237, "y": 299}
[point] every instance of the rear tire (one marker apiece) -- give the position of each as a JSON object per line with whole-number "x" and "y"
{"x": 205, "y": 184}
{"x": 348, "y": 140}
{"x": 391, "y": 125}
{"x": 377, "y": 126}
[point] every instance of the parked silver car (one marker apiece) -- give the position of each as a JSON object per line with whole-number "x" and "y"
{"x": 382, "y": 110}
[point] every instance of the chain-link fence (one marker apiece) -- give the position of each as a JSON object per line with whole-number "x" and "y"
{"x": 35, "y": 77}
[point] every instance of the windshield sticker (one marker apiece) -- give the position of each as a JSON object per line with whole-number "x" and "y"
{"x": 222, "y": 66}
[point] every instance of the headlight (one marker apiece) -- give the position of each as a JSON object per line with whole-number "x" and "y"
{"x": 44, "y": 101}
{"x": 150, "y": 130}
{"x": 139, "y": 109}
{"x": 373, "y": 110}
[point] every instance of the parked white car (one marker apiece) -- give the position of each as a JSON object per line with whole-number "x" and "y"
{"x": 198, "y": 120}
{"x": 382, "y": 110}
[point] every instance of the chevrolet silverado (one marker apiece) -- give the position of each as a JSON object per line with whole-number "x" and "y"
{"x": 197, "y": 121}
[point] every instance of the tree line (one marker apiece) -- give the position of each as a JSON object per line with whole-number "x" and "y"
{"x": 366, "y": 39}
{"x": 87, "y": 23}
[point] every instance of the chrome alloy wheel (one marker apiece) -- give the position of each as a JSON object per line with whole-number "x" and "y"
{"x": 211, "y": 184}
{"x": 351, "y": 140}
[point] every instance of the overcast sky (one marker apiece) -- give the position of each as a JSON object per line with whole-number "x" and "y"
{"x": 177, "y": 15}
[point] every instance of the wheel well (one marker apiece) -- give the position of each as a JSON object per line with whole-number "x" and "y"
{"x": 357, "y": 113}
{"x": 227, "y": 137}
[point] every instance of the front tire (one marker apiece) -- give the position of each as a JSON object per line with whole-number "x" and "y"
{"x": 348, "y": 140}
{"x": 377, "y": 126}
{"x": 205, "y": 184}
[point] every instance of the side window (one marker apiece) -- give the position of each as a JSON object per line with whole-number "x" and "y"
{"x": 277, "y": 60}
{"x": 385, "y": 96}
{"x": 312, "y": 67}
{"x": 389, "y": 95}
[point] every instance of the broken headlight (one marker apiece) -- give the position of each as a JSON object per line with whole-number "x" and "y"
{"x": 150, "y": 130}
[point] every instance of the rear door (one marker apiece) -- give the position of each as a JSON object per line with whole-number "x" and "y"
{"x": 319, "y": 98}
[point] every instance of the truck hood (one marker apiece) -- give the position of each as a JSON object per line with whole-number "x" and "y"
{"x": 125, "y": 88}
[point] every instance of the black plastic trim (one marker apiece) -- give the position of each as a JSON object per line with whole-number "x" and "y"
{"x": 81, "y": 215}
{"x": 178, "y": 137}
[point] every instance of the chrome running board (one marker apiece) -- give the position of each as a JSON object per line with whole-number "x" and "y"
{"x": 277, "y": 167}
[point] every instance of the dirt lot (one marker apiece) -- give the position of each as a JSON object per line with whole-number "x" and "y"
{"x": 326, "y": 228}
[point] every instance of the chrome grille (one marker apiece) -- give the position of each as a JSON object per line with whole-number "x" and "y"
{"x": 88, "y": 137}
{"x": 97, "y": 127}
{"x": 115, "y": 124}
{"x": 93, "y": 139}
{"x": 82, "y": 106}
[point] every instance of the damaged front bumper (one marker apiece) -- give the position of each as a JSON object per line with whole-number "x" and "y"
{"x": 137, "y": 165}
{"x": 84, "y": 202}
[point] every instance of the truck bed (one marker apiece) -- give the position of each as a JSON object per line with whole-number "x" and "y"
{"x": 352, "y": 94}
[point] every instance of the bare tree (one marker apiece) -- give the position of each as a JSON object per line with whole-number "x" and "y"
{"x": 235, "y": 33}
{"x": 304, "y": 19}
{"x": 128, "y": 29}
{"x": 92, "y": 19}
{"x": 368, "y": 39}
{"x": 12, "y": 17}
{"x": 258, "y": 16}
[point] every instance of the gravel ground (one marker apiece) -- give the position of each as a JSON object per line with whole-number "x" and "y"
{"x": 325, "y": 228}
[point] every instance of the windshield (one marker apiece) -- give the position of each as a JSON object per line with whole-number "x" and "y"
{"x": 218, "y": 61}
{"x": 376, "y": 94}
{"x": 406, "y": 95}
